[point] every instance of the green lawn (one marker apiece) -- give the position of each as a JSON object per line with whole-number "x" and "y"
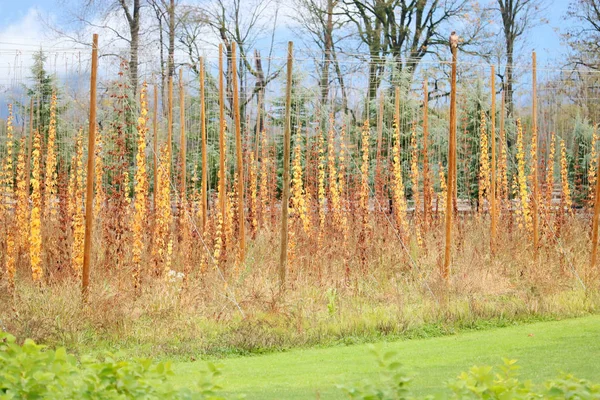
{"x": 543, "y": 350}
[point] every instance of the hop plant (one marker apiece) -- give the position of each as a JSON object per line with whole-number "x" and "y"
{"x": 162, "y": 224}
{"x": 414, "y": 176}
{"x": 321, "y": 184}
{"x": 334, "y": 194}
{"x": 35, "y": 232}
{"x": 7, "y": 166}
{"x": 22, "y": 197}
{"x": 503, "y": 189}
{"x": 549, "y": 180}
{"x": 567, "y": 202}
{"x": 98, "y": 176}
{"x": 264, "y": 176}
{"x": 51, "y": 175}
{"x": 77, "y": 209}
{"x": 298, "y": 201}
{"x": 398, "y": 184}
{"x": 441, "y": 202}
{"x": 253, "y": 182}
{"x": 340, "y": 217}
{"x": 141, "y": 183}
{"x": 593, "y": 164}
{"x": 364, "y": 169}
{"x": 484, "y": 164}
{"x": 523, "y": 192}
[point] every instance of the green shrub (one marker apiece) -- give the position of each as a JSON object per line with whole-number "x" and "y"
{"x": 30, "y": 371}
{"x": 391, "y": 384}
{"x": 479, "y": 382}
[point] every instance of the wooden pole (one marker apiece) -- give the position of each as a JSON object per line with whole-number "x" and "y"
{"x": 29, "y": 145}
{"x": 286, "y": 170}
{"x": 222, "y": 173}
{"x": 240, "y": 160}
{"x": 89, "y": 197}
{"x": 155, "y": 144}
{"x": 503, "y": 142}
{"x": 595, "y": 219}
{"x": 426, "y": 178}
{"x": 170, "y": 125}
{"x": 451, "y": 167}
{"x": 535, "y": 164}
{"x": 182, "y": 143}
{"x": 204, "y": 190}
{"x": 378, "y": 182}
{"x": 257, "y": 138}
{"x": 493, "y": 140}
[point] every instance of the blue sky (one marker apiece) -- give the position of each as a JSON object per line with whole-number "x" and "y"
{"x": 544, "y": 38}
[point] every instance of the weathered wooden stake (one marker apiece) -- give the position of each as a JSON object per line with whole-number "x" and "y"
{"x": 89, "y": 197}
{"x": 170, "y": 125}
{"x": 451, "y": 167}
{"x": 222, "y": 172}
{"x": 378, "y": 187}
{"x": 240, "y": 159}
{"x": 493, "y": 183}
{"x": 536, "y": 196}
{"x": 182, "y": 142}
{"x": 503, "y": 144}
{"x": 426, "y": 177}
{"x": 204, "y": 189}
{"x": 155, "y": 144}
{"x": 286, "y": 171}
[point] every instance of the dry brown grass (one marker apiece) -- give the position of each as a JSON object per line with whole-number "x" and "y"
{"x": 400, "y": 294}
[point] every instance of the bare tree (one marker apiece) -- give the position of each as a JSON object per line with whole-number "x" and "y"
{"x": 244, "y": 22}
{"x": 322, "y": 21}
{"x": 101, "y": 14}
{"x": 407, "y": 30}
{"x": 583, "y": 36}
{"x": 517, "y": 17}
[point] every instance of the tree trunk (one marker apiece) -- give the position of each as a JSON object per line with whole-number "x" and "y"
{"x": 171, "y": 61}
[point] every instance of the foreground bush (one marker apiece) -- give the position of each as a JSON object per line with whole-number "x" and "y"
{"x": 479, "y": 382}
{"x": 30, "y": 371}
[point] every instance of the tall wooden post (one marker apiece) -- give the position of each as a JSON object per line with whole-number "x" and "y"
{"x": 170, "y": 124}
{"x": 204, "y": 189}
{"x": 536, "y": 196}
{"x": 378, "y": 180}
{"x": 286, "y": 170}
{"x": 451, "y": 167}
{"x": 426, "y": 177}
{"x": 503, "y": 144}
{"x": 89, "y": 197}
{"x": 493, "y": 140}
{"x": 222, "y": 172}
{"x": 257, "y": 136}
{"x": 595, "y": 219}
{"x": 155, "y": 144}
{"x": 240, "y": 160}
{"x": 182, "y": 142}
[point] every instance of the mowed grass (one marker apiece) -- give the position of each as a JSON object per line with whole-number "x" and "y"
{"x": 543, "y": 349}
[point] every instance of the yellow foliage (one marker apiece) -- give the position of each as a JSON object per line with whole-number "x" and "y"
{"x": 163, "y": 217}
{"x": 523, "y": 193}
{"x": 35, "y": 232}
{"x": 141, "y": 183}
{"x": 484, "y": 165}
{"x": 51, "y": 175}
{"x": 77, "y": 209}
{"x": 567, "y": 202}
{"x": 398, "y": 185}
